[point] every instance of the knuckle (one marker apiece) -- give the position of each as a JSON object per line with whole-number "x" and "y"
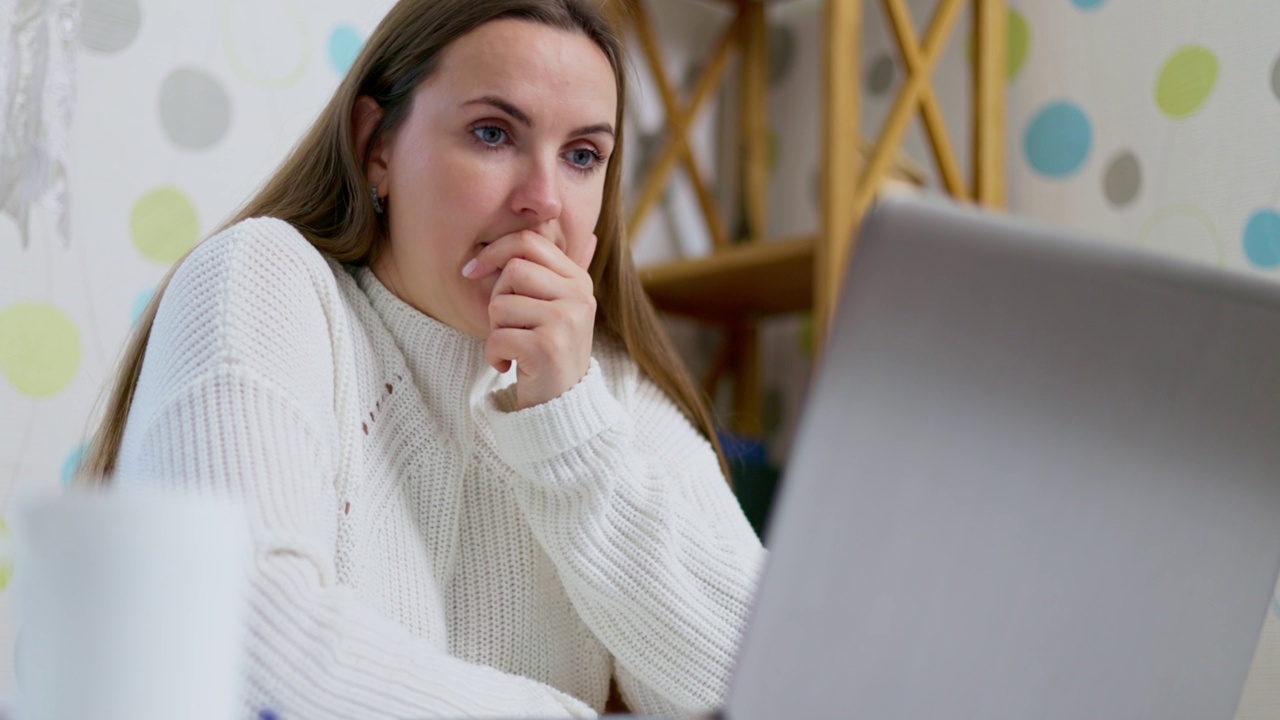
{"x": 549, "y": 343}
{"x": 498, "y": 313}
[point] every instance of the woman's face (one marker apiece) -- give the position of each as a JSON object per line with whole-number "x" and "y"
{"x": 511, "y": 133}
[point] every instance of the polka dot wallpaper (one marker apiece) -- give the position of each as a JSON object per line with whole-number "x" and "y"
{"x": 181, "y": 111}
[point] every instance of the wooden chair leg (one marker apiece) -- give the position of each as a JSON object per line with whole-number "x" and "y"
{"x": 841, "y": 133}
{"x": 990, "y": 18}
{"x": 754, "y": 120}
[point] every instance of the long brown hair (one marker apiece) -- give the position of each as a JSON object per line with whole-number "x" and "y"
{"x": 321, "y": 190}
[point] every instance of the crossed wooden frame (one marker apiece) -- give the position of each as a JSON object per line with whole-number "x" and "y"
{"x": 850, "y": 184}
{"x": 745, "y": 33}
{"x": 846, "y": 177}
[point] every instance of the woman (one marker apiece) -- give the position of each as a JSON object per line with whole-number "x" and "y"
{"x": 477, "y": 479}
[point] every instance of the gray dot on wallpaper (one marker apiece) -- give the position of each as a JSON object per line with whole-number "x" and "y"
{"x": 1123, "y": 179}
{"x": 880, "y": 75}
{"x": 782, "y": 52}
{"x": 1275, "y": 78}
{"x": 109, "y": 26}
{"x": 647, "y": 144}
{"x": 692, "y": 75}
{"x": 195, "y": 110}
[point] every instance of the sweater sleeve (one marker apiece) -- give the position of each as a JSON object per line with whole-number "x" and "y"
{"x": 238, "y": 405}
{"x": 629, "y": 502}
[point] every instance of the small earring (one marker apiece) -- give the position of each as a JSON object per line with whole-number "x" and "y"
{"x": 377, "y": 202}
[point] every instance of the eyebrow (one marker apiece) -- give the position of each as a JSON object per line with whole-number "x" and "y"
{"x": 523, "y": 118}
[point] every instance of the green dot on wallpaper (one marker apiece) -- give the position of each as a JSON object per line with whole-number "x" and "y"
{"x": 6, "y": 555}
{"x": 1018, "y": 45}
{"x": 164, "y": 224}
{"x": 1019, "y": 42}
{"x": 1184, "y": 231}
{"x": 39, "y": 348}
{"x": 267, "y": 43}
{"x": 1186, "y": 81}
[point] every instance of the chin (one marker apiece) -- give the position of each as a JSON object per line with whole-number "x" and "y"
{"x": 477, "y": 326}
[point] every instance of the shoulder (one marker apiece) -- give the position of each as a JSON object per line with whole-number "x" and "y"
{"x": 256, "y": 295}
{"x": 264, "y": 261}
{"x": 254, "y": 249}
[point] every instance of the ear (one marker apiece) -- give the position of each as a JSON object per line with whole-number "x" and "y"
{"x": 365, "y": 117}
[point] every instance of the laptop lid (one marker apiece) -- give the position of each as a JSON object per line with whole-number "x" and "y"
{"x": 1037, "y": 477}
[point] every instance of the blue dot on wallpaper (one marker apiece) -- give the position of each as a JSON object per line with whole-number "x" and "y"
{"x": 344, "y": 46}
{"x": 1088, "y": 4}
{"x": 139, "y": 305}
{"x": 1275, "y": 605}
{"x": 1058, "y": 140}
{"x": 1262, "y": 239}
{"x": 72, "y": 462}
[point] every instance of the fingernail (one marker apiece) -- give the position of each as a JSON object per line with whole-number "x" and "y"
{"x": 466, "y": 269}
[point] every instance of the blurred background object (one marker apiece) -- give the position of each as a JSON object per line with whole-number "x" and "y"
{"x": 37, "y": 103}
{"x": 131, "y": 607}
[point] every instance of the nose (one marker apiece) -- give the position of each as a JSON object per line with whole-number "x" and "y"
{"x": 537, "y": 192}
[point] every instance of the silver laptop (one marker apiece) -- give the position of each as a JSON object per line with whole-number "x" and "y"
{"x": 1038, "y": 478}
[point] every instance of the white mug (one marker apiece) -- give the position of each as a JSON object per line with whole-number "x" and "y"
{"x": 129, "y": 607}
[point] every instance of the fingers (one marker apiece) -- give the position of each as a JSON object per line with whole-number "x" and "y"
{"x": 541, "y": 312}
{"x": 507, "y": 344}
{"x": 584, "y": 252}
{"x": 547, "y": 359}
{"x": 531, "y": 246}
{"x": 524, "y": 277}
{"x": 521, "y": 312}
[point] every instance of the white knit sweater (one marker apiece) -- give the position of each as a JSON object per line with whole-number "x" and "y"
{"x": 421, "y": 549}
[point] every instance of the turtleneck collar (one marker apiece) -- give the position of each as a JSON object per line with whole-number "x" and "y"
{"x": 447, "y": 365}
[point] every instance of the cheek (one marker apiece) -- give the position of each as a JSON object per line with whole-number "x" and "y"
{"x": 450, "y": 185}
{"x": 580, "y": 217}
{"x": 582, "y": 206}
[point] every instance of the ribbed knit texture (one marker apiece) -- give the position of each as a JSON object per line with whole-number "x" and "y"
{"x": 421, "y": 549}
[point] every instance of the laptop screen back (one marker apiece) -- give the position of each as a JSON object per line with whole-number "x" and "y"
{"x": 1037, "y": 477}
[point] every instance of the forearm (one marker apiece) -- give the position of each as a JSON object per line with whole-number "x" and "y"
{"x": 650, "y": 545}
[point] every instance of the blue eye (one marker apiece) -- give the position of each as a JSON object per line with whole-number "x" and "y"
{"x": 583, "y": 158}
{"x": 490, "y": 134}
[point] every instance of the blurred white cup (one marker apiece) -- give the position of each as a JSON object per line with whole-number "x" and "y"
{"x": 129, "y": 607}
